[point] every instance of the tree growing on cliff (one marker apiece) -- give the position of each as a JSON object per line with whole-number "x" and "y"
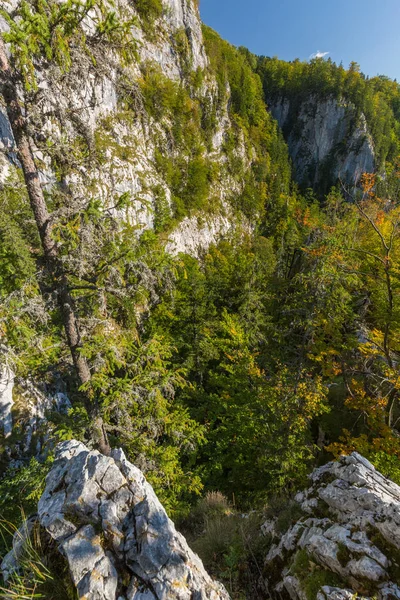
{"x": 37, "y": 35}
{"x": 103, "y": 276}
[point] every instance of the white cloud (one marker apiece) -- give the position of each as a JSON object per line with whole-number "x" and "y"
{"x": 319, "y": 54}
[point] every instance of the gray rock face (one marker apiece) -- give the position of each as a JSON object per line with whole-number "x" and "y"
{"x": 327, "y": 142}
{"x": 108, "y": 522}
{"x": 179, "y": 15}
{"x": 193, "y": 235}
{"x": 77, "y": 103}
{"x": 350, "y": 529}
{"x": 6, "y": 400}
{"x": 24, "y": 407}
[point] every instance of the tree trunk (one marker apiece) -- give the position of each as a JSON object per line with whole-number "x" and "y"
{"x": 43, "y": 222}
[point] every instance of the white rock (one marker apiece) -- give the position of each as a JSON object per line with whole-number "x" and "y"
{"x": 359, "y": 504}
{"x": 111, "y": 497}
{"x": 6, "y": 399}
{"x": 325, "y": 125}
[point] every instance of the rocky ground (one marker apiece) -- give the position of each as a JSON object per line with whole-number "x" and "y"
{"x": 114, "y": 533}
{"x": 120, "y": 544}
{"x": 347, "y": 542}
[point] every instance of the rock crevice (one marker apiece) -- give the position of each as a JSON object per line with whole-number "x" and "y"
{"x": 350, "y": 533}
{"x": 115, "y": 534}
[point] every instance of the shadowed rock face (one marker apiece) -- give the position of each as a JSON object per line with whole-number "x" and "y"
{"x": 350, "y": 530}
{"x": 327, "y": 142}
{"x": 117, "y": 538}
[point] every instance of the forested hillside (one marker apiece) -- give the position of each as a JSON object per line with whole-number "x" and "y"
{"x": 378, "y": 98}
{"x": 366, "y": 109}
{"x": 177, "y": 293}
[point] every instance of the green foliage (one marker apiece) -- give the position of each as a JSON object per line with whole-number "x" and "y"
{"x": 211, "y": 372}
{"x": 182, "y": 47}
{"x": 16, "y": 237}
{"x": 385, "y": 463}
{"x": 188, "y": 118}
{"x": 25, "y": 318}
{"x": 43, "y": 573}
{"x": 185, "y": 118}
{"x": 149, "y": 11}
{"x": 47, "y": 30}
{"x": 311, "y": 576}
{"x": 220, "y": 318}
{"x": 20, "y": 490}
{"x": 258, "y": 422}
{"x": 269, "y": 177}
{"x": 285, "y": 510}
{"x": 157, "y": 431}
{"x": 161, "y": 94}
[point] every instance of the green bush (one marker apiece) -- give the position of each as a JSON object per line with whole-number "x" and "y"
{"x": 149, "y": 11}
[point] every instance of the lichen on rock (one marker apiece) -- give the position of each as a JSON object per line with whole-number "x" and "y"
{"x": 350, "y": 532}
{"x": 114, "y": 533}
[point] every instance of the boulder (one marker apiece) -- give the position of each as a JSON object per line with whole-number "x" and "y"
{"x": 350, "y": 533}
{"x": 114, "y": 532}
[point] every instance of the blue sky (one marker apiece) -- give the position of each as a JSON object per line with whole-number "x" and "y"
{"x": 366, "y": 31}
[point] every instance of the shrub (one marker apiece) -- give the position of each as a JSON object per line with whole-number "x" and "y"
{"x": 230, "y": 544}
{"x": 149, "y": 11}
{"x": 43, "y": 573}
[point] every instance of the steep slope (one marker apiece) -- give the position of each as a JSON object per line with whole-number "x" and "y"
{"x": 140, "y": 122}
{"x": 142, "y": 115}
{"x": 338, "y": 123}
{"x": 274, "y": 333}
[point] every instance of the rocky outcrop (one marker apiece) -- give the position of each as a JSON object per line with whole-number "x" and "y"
{"x": 114, "y": 533}
{"x": 327, "y": 142}
{"x": 347, "y": 542}
{"x": 24, "y": 410}
{"x": 107, "y": 522}
{"x": 194, "y": 234}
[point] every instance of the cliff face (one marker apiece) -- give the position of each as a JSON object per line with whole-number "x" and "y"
{"x": 101, "y": 103}
{"x": 328, "y": 143}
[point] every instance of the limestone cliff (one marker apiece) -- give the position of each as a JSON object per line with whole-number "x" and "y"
{"x": 95, "y": 125}
{"x": 328, "y": 142}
